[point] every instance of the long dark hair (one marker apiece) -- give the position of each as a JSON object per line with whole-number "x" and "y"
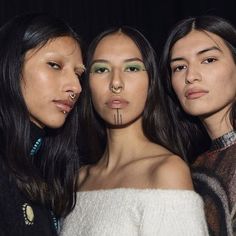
{"x": 50, "y": 179}
{"x": 190, "y": 132}
{"x": 155, "y": 116}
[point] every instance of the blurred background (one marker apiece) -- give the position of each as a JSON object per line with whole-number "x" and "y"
{"x": 153, "y": 18}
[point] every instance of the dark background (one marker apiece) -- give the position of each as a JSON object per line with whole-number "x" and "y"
{"x": 153, "y": 18}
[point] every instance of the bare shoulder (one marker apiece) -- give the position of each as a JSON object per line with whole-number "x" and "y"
{"x": 171, "y": 173}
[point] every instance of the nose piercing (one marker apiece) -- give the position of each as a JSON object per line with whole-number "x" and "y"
{"x": 115, "y": 89}
{"x": 72, "y": 96}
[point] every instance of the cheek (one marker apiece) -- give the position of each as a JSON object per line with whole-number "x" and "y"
{"x": 27, "y": 92}
{"x": 138, "y": 93}
{"x": 144, "y": 93}
{"x": 95, "y": 100}
{"x": 97, "y": 93}
{"x": 38, "y": 80}
{"x": 224, "y": 81}
{"x": 178, "y": 88}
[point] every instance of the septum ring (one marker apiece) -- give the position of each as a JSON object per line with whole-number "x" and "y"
{"x": 72, "y": 96}
{"x": 116, "y": 89}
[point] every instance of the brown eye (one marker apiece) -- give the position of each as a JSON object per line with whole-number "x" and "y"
{"x": 209, "y": 60}
{"x": 54, "y": 65}
{"x": 101, "y": 70}
{"x": 179, "y": 68}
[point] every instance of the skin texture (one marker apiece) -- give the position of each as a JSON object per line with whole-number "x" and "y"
{"x": 204, "y": 79}
{"x": 130, "y": 159}
{"x": 50, "y": 74}
{"x": 118, "y": 65}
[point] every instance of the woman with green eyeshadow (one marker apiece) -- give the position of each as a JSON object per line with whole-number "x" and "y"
{"x": 131, "y": 183}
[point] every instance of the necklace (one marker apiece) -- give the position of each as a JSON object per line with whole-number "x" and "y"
{"x": 36, "y": 147}
{"x": 224, "y": 141}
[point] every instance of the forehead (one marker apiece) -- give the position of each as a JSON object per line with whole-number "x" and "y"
{"x": 196, "y": 41}
{"x": 117, "y": 44}
{"x": 61, "y": 45}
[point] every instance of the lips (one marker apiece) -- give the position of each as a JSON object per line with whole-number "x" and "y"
{"x": 64, "y": 105}
{"x": 116, "y": 103}
{"x": 195, "y": 93}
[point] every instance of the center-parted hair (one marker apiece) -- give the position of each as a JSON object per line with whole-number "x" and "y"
{"x": 190, "y": 133}
{"x": 155, "y": 117}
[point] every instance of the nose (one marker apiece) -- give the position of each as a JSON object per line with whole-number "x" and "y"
{"x": 116, "y": 83}
{"x": 72, "y": 84}
{"x": 192, "y": 75}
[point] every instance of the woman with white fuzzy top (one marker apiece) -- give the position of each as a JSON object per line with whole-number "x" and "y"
{"x": 133, "y": 183}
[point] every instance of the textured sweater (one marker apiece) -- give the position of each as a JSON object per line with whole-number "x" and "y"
{"x": 214, "y": 176}
{"x": 133, "y": 212}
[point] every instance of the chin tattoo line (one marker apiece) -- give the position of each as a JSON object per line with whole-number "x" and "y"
{"x": 117, "y": 117}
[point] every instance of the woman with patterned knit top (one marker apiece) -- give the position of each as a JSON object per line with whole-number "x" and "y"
{"x": 40, "y": 63}
{"x": 132, "y": 183}
{"x": 199, "y": 59}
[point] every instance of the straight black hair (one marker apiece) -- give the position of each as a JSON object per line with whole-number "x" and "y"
{"x": 190, "y": 133}
{"x": 51, "y": 178}
{"x": 155, "y": 114}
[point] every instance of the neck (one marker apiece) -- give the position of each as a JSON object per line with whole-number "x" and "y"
{"x": 218, "y": 123}
{"x": 123, "y": 145}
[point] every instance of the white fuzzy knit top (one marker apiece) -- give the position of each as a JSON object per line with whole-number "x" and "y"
{"x": 136, "y": 212}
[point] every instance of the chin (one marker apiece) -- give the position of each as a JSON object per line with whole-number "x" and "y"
{"x": 125, "y": 123}
{"x": 196, "y": 112}
{"x": 56, "y": 124}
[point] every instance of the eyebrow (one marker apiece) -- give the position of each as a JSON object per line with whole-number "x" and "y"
{"x": 99, "y": 61}
{"x": 106, "y": 61}
{"x": 198, "y": 53}
{"x": 133, "y": 59}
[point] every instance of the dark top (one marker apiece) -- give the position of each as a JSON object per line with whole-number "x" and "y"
{"x": 214, "y": 177}
{"x": 18, "y": 215}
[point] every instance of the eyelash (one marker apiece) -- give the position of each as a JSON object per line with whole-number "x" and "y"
{"x": 179, "y": 68}
{"x": 134, "y": 68}
{"x": 54, "y": 65}
{"x": 208, "y": 60}
{"x": 99, "y": 70}
{"x": 131, "y": 68}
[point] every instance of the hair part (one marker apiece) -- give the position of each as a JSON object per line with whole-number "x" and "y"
{"x": 155, "y": 116}
{"x": 189, "y": 131}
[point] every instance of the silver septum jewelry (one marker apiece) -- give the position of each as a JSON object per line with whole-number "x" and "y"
{"x": 72, "y": 95}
